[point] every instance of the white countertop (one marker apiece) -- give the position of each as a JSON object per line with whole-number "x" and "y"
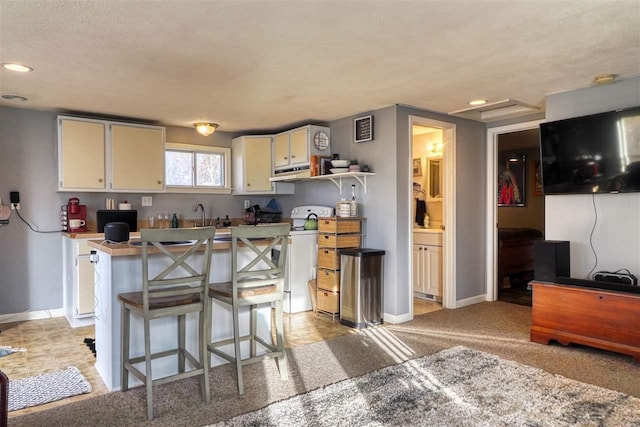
{"x": 427, "y": 230}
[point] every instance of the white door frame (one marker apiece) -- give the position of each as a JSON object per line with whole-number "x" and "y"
{"x": 449, "y": 208}
{"x": 492, "y": 196}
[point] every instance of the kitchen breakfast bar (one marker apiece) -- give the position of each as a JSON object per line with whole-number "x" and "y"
{"x": 118, "y": 269}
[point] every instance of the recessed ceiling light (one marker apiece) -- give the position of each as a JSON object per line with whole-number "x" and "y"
{"x": 14, "y": 98}
{"x": 477, "y": 102}
{"x": 17, "y": 67}
{"x": 602, "y": 79}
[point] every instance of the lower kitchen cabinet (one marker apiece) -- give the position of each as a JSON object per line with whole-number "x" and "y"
{"x": 427, "y": 267}
{"x": 78, "y": 282}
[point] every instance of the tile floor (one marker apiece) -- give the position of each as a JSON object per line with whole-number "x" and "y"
{"x": 423, "y": 306}
{"x": 53, "y": 345}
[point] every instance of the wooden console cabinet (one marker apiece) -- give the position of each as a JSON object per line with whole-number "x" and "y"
{"x": 594, "y": 317}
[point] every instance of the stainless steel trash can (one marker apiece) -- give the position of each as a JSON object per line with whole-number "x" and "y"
{"x": 361, "y": 287}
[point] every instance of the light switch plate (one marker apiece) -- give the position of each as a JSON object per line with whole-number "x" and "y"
{"x": 147, "y": 201}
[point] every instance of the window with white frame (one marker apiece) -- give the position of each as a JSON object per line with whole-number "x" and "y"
{"x": 197, "y": 168}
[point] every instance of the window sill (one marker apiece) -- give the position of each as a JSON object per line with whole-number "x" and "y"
{"x": 179, "y": 190}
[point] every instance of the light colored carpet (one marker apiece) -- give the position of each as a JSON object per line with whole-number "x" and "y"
{"x": 497, "y": 328}
{"x": 45, "y": 388}
{"x": 457, "y": 386}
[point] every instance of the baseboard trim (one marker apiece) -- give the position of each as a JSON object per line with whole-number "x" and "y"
{"x": 471, "y": 301}
{"x": 31, "y": 315}
{"x": 391, "y": 318}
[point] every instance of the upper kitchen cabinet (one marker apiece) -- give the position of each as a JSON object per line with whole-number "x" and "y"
{"x": 252, "y": 166}
{"x": 293, "y": 149}
{"x": 98, "y": 155}
{"x": 137, "y": 156}
{"x": 81, "y": 154}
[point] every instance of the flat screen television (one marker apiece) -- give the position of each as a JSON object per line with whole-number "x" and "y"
{"x": 599, "y": 153}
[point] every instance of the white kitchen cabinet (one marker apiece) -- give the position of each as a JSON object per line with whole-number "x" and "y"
{"x": 81, "y": 154}
{"x": 292, "y": 150}
{"x": 251, "y": 158}
{"x": 427, "y": 265}
{"x": 137, "y": 158}
{"x": 99, "y": 155}
{"x": 78, "y": 282}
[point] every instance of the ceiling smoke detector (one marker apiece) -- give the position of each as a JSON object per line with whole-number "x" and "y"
{"x": 603, "y": 79}
{"x": 498, "y": 110}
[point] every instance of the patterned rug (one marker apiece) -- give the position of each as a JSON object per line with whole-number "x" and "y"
{"x": 46, "y": 388}
{"x": 457, "y": 386}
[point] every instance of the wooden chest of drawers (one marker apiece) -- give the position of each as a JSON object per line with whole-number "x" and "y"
{"x": 334, "y": 233}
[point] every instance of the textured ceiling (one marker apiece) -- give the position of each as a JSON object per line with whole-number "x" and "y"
{"x": 260, "y": 65}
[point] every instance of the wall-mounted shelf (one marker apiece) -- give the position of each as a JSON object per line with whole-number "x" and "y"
{"x": 336, "y": 178}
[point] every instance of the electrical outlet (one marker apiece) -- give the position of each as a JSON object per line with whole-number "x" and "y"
{"x": 247, "y": 203}
{"x": 147, "y": 201}
{"x": 15, "y": 206}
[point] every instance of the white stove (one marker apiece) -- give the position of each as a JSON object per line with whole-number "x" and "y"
{"x": 302, "y": 258}
{"x": 300, "y": 214}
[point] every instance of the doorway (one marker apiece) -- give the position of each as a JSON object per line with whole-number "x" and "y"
{"x": 515, "y": 220}
{"x": 431, "y": 184}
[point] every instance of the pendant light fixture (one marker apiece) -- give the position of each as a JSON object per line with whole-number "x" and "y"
{"x": 205, "y": 128}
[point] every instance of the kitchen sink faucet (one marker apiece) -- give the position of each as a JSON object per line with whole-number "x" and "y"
{"x": 199, "y": 206}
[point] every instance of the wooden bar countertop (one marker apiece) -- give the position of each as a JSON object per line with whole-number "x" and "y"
{"x": 129, "y": 249}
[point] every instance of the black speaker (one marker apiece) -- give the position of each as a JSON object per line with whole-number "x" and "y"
{"x": 550, "y": 260}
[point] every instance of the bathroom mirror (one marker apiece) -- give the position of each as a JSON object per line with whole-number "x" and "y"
{"x": 434, "y": 175}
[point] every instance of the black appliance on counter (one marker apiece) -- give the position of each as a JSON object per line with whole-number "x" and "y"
{"x": 116, "y": 232}
{"x": 106, "y": 216}
{"x": 254, "y": 215}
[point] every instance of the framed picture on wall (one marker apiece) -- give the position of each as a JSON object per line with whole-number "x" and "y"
{"x": 363, "y": 129}
{"x": 417, "y": 167}
{"x": 536, "y": 173}
{"x": 511, "y": 179}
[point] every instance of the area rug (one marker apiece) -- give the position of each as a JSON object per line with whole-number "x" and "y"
{"x": 45, "y": 388}
{"x": 457, "y": 386}
{"x": 6, "y": 350}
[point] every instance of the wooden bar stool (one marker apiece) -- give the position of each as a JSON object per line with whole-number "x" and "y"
{"x": 178, "y": 289}
{"x": 260, "y": 282}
